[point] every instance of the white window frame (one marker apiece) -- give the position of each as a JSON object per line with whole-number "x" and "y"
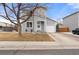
{"x": 29, "y": 24}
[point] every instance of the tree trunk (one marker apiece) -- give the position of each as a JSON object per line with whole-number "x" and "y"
{"x": 19, "y": 30}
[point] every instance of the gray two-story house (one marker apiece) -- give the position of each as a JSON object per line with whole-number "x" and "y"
{"x": 39, "y": 22}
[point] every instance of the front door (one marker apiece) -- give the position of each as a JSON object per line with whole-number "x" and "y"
{"x": 40, "y": 26}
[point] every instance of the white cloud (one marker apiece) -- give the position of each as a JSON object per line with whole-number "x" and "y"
{"x": 74, "y": 5}
{"x": 4, "y": 20}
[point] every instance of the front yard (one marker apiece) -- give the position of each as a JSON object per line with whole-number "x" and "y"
{"x": 13, "y": 36}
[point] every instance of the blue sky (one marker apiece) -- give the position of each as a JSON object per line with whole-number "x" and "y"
{"x": 58, "y": 10}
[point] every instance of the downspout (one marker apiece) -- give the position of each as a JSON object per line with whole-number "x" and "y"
{"x": 33, "y": 24}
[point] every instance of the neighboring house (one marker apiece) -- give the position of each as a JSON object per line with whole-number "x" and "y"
{"x": 5, "y": 27}
{"x": 72, "y": 21}
{"x": 39, "y": 22}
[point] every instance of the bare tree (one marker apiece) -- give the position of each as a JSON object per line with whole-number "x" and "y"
{"x": 13, "y": 11}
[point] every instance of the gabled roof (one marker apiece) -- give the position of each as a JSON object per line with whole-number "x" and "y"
{"x": 71, "y": 14}
{"x": 46, "y": 18}
{"x": 51, "y": 19}
{"x": 43, "y": 17}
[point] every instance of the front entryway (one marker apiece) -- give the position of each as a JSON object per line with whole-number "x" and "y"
{"x": 40, "y": 26}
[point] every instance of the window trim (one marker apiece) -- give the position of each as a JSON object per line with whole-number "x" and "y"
{"x": 29, "y": 24}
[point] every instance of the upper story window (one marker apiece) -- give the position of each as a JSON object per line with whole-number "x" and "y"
{"x": 29, "y": 24}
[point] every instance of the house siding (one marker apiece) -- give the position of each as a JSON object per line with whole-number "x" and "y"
{"x": 50, "y": 22}
{"x": 71, "y": 21}
{"x": 24, "y": 25}
{"x": 36, "y": 19}
{"x": 46, "y": 25}
{"x": 78, "y": 20}
{"x": 51, "y": 26}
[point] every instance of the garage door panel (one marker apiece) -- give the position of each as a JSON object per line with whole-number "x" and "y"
{"x": 51, "y": 29}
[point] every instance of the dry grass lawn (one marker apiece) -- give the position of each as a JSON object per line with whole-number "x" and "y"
{"x": 8, "y": 36}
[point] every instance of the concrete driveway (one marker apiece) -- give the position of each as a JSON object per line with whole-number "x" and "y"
{"x": 66, "y": 39}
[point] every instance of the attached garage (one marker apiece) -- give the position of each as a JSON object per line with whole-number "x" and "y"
{"x": 51, "y": 28}
{"x": 51, "y": 25}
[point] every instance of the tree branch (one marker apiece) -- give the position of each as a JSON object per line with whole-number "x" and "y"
{"x": 7, "y": 14}
{"x": 11, "y": 9}
{"x": 6, "y": 18}
{"x": 31, "y": 12}
{"x": 18, "y": 13}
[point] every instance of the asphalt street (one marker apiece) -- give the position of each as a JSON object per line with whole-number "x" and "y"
{"x": 41, "y": 52}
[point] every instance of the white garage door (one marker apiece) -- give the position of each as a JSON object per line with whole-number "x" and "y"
{"x": 51, "y": 28}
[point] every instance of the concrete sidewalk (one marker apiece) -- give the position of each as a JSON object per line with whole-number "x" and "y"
{"x": 24, "y": 45}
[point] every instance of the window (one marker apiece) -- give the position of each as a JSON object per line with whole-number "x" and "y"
{"x": 29, "y": 24}
{"x": 38, "y": 26}
{"x": 26, "y": 30}
{"x": 0, "y": 26}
